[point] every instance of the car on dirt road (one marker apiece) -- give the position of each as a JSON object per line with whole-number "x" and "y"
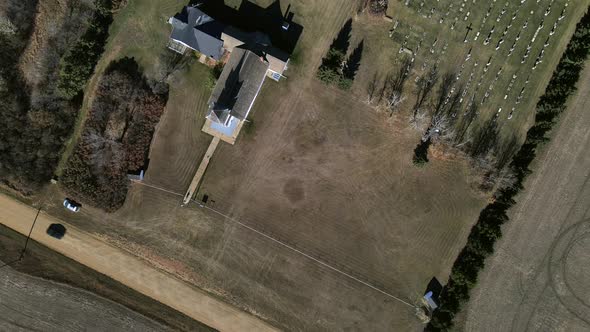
{"x": 71, "y": 205}
{"x": 56, "y": 230}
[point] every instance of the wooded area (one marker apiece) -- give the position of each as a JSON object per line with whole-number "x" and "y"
{"x": 116, "y": 137}
{"x": 37, "y": 117}
{"x": 78, "y": 64}
{"x": 487, "y": 230}
{"x": 36, "y": 121}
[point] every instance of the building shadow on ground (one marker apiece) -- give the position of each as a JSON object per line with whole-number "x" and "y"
{"x": 284, "y": 33}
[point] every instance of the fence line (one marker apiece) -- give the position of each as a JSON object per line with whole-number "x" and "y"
{"x": 288, "y": 246}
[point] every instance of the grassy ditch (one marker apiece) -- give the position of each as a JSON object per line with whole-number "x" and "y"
{"x": 40, "y": 261}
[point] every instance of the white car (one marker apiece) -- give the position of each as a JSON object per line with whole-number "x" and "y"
{"x": 71, "y": 205}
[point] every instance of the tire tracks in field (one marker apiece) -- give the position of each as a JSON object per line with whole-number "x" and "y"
{"x": 546, "y": 267}
{"x": 556, "y": 170}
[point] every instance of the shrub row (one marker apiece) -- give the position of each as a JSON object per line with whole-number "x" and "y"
{"x": 78, "y": 64}
{"x": 330, "y": 72}
{"x": 116, "y": 137}
{"x": 480, "y": 243}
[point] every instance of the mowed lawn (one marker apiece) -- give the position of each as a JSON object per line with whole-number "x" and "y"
{"x": 318, "y": 169}
{"x": 333, "y": 178}
{"x": 208, "y": 251}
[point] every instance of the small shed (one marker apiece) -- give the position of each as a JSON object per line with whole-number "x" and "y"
{"x": 138, "y": 174}
{"x": 432, "y": 293}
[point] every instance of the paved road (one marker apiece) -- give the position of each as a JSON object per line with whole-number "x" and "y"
{"x": 539, "y": 278}
{"x": 130, "y": 271}
{"x": 34, "y": 304}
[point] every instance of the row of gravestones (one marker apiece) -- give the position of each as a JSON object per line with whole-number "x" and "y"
{"x": 529, "y": 47}
{"x": 538, "y": 60}
{"x": 469, "y": 82}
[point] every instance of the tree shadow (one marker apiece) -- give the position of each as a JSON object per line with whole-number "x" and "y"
{"x": 127, "y": 65}
{"x": 421, "y": 152}
{"x": 354, "y": 61}
{"x": 342, "y": 40}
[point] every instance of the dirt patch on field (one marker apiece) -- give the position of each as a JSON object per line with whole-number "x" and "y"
{"x": 537, "y": 279}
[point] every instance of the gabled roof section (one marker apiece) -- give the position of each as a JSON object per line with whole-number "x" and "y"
{"x": 239, "y": 83}
{"x": 198, "y": 31}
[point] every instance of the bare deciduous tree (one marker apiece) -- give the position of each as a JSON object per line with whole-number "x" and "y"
{"x": 439, "y": 129}
{"x": 494, "y": 177}
{"x": 393, "y": 101}
{"x": 506, "y": 151}
{"x": 6, "y": 26}
{"x": 396, "y": 82}
{"x": 170, "y": 62}
{"x": 418, "y": 121}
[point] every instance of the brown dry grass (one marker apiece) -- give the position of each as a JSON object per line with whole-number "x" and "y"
{"x": 329, "y": 175}
{"x": 321, "y": 171}
{"x": 213, "y": 253}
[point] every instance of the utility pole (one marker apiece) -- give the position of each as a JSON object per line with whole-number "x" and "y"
{"x": 22, "y": 254}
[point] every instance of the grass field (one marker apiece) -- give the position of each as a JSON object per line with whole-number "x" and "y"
{"x": 538, "y": 277}
{"x": 242, "y": 267}
{"x": 333, "y": 178}
{"x": 320, "y": 171}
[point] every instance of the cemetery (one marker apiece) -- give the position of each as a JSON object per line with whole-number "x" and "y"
{"x": 501, "y": 54}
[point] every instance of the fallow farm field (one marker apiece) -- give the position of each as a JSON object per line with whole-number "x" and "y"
{"x": 538, "y": 278}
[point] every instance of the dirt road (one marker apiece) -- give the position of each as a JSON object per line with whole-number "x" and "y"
{"x": 539, "y": 278}
{"x": 30, "y": 303}
{"x": 130, "y": 270}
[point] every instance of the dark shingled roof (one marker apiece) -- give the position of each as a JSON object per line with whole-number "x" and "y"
{"x": 199, "y": 31}
{"x": 237, "y": 86}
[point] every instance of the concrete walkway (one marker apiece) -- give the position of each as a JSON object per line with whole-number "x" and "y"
{"x": 129, "y": 270}
{"x": 201, "y": 170}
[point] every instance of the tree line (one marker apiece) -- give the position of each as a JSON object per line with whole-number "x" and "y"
{"x": 37, "y": 119}
{"x": 78, "y": 64}
{"x": 487, "y": 230}
{"x": 116, "y": 137}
